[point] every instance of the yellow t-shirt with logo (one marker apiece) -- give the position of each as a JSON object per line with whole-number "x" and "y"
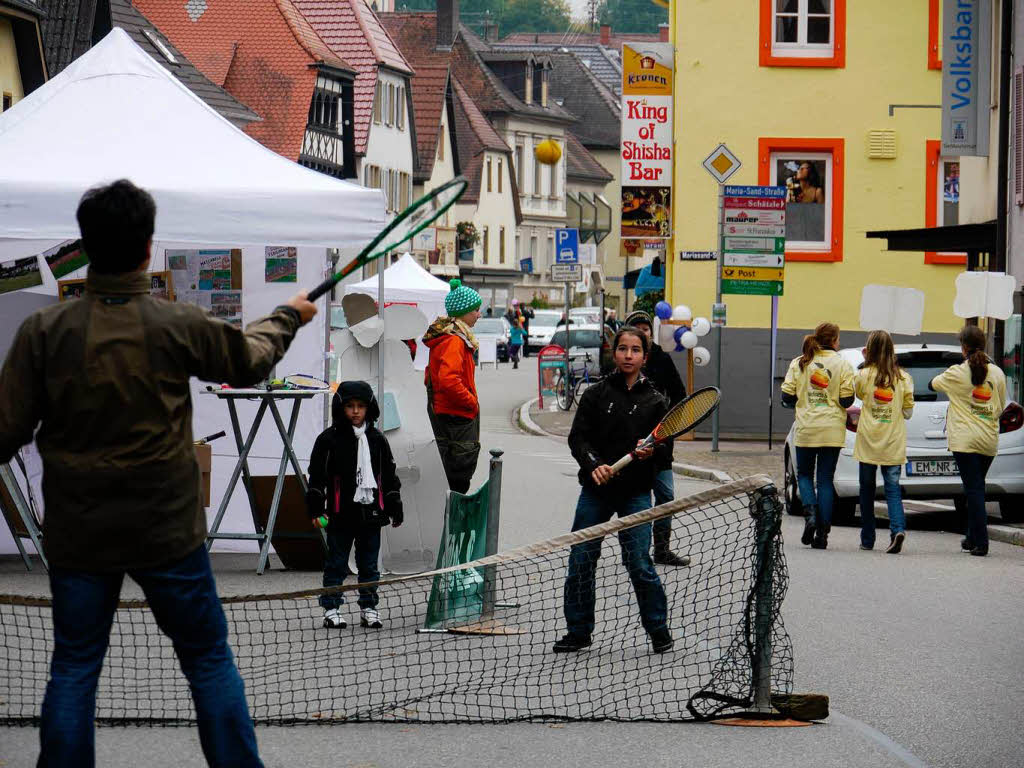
{"x": 820, "y": 419}
{"x": 882, "y": 431}
{"x": 972, "y": 418}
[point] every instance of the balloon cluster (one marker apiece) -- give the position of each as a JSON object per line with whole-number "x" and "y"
{"x": 687, "y": 334}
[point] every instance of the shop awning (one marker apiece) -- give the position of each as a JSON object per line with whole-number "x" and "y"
{"x": 980, "y": 238}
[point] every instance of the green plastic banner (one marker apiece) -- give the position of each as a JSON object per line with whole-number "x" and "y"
{"x": 457, "y": 597}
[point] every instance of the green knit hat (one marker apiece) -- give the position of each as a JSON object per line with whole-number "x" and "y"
{"x": 461, "y": 299}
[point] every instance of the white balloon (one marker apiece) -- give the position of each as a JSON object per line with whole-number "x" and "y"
{"x": 701, "y": 356}
{"x": 689, "y": 340}
{"x": 701, "y": 326}
{"x": 682, "y": 312}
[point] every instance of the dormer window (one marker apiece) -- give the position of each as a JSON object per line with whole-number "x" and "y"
{"x": 529, "y": 83}
{"x": 544, "y": 87}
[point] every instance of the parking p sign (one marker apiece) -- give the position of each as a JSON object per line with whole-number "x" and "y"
{"x": 567, "y": 246}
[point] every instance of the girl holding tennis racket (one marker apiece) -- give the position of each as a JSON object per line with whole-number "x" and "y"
{"x": 612, "y": 420}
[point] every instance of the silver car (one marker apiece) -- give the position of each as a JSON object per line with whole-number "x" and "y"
{"x": 930, "y": 471}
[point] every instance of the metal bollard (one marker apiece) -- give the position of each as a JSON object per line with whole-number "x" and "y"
{"x": 493, "y": 522}
{"x": 766, "y": 511}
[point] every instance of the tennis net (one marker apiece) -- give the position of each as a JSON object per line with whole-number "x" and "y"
{"x": 494, "y": 664}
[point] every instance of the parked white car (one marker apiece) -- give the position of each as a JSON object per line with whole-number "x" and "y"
{"x": 542, "y": 326}
{"x": 498, "y": 328}
{"x": 591, "y": 341}
{"x": 930, "y": 471}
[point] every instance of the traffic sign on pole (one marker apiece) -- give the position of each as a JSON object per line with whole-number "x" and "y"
{"x": 566, "y": 273}
{"x": 567, "y": 246}
{"x": 753, "y": 240}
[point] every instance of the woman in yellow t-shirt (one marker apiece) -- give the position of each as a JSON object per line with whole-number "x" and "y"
{"x": 886, "y": 393}
{"x": 819, "y": 385}
{"x": 977, "y": 395}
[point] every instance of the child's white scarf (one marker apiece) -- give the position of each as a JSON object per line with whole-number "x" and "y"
{"x": 365, "y": 484}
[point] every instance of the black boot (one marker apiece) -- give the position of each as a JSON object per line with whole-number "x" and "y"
{"x": 810, "y": 513}
{"x": 662, "y": 554}
{"x": 821, "y": 537}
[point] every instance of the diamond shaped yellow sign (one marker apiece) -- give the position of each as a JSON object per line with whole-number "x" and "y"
{"x": 722, "y": 163}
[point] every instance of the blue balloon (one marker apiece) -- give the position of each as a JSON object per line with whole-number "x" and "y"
{"x": 663, "y": 310}
{"x": 678, "y": 333}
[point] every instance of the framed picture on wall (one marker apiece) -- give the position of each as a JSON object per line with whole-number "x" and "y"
{"x": 70, "y": 289}
{"x": 161, "y": 285}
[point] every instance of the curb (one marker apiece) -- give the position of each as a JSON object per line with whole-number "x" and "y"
{"x": 701, "y": 473}
{"x": 528, "y": 425}
{"x": 1006, "y": 534}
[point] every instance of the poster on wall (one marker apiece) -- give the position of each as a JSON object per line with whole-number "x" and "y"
{"x": 161, "y": 285}
{"x": 646, "y": 148}
{"x": 65, "y": 258}
{"x": 282, "y": 264}
{"x": 227, "y": 305}
{"x": 20, "y": 273}
{"x": 197, "y": 274}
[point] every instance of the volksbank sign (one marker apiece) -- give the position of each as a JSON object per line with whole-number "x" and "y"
{"x": 966, "y": 73}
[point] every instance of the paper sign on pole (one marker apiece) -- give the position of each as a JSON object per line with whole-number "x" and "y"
{"x": 984, "y": 294}
{"x": 892, "y": 308}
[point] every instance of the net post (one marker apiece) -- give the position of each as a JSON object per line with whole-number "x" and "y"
{"x": 493, "y": 521}
{"x": 766, "y": 511}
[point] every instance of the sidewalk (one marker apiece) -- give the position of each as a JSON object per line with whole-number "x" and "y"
{"x": 734, "y": 459}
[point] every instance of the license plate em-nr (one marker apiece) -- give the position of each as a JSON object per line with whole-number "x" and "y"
{"x": 931, "y": 467}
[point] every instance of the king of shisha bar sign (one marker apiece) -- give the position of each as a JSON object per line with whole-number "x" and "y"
{"x": 646, "y": 151}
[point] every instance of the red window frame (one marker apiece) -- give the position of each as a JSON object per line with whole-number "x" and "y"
{"x": 933, "y": 156}
{"x": 765, "y": 148}
{"x": 836, "y": 61}
{"x": 934, "y": 54}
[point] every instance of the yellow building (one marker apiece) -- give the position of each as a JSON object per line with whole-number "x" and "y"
{"x": 840, "y": 101}
{"x": 22, "y": 68}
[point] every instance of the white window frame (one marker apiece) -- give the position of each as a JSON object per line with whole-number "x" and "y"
{"x": 940, "y": 213}
{"x": 378, "y": 107}
{"x": 810, "y": 246}
{"x": 801, "y": 48}
{"x": 500, "y": 173}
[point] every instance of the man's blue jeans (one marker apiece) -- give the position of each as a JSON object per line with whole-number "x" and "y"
{"x": 973, "y": 467}
{"x": 339, "y": 543}
{"x": 183, "y": 598}
{"x": 592, "y": 508}
{"x": 825, "y": 459}
{"x": 664, "y": 492}
{"x": 893, "y": 500}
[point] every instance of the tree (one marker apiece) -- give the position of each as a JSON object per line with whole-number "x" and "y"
{"x": 510, "y": 15}
{"x": 633, "y": 15}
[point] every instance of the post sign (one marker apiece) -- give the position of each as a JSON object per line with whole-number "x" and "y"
{"x": 753, "y": 240}
{"x": 566, "y": 273}
{"x": 567, "y": 246}
{"x": 646, "y": 147}
{"x": 966, "y": 65}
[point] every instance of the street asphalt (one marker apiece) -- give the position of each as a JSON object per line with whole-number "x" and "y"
{"x": 921, "y": 653}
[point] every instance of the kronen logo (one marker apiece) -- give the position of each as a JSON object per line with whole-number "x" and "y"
{"x": 645, "y": 78}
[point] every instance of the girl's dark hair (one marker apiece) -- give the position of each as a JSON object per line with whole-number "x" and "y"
{"x": 634, "y": 331}
{"x": 813, "y": 178}
{"x": 824, "y": 337}
{"x": 972, "y": 339}
{"x": 882, "y": 355}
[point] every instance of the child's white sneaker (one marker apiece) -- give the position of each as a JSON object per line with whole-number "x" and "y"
{"x": 370, "y": 618}
{"x": 333, "y": 619}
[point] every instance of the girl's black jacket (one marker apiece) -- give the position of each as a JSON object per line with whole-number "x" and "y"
{"x": 609, "y": 421}
{"x": 332, "y": 473}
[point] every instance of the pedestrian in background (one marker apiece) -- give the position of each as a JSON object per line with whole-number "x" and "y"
{"x": 819, "y": 385}
{"x": 452, "y": 403}
{"x": 517, "y": 340}
{"x": 976, "y": 389}
{"x": 663, "y": 374}
{"x": 886, "y": 393}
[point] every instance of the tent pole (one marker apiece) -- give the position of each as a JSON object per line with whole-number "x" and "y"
{"x": 383, "y": 262}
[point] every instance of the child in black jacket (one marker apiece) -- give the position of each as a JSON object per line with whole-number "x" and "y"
{"x": 353, "y": 486}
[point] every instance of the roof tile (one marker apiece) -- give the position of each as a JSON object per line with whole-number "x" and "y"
{"x": 581, "y": 165}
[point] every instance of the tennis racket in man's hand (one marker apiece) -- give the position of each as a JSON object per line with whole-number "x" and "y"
{"x": 686, "y": 415}
{"x": 406, "y": 225}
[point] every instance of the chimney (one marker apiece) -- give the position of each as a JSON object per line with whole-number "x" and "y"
{"x": 491, "y": 31}
{"x": 447, "y": 23}
{"x": 606, "y": 34}
{"x": 663, "y": 33}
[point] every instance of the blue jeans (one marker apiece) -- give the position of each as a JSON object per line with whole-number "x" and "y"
{"x": 973, "y": 467}
{"x": 592, "y": 508}
{"x": 893, "y": 501}
{"x": 664, "y": 492}
{"x": 340, "y": 539}
{"x": 183, "y": 598}
{"x": 826, "y": 459}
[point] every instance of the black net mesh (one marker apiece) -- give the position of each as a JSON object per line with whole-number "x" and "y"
{"x": 723, "y": 612}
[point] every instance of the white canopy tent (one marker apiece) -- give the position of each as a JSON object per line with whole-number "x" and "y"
{"x": 406, "y": 282}
{"x": 116, "y": 113}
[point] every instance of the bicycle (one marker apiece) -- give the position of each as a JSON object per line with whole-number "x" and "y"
{"x": 571, "y": 384}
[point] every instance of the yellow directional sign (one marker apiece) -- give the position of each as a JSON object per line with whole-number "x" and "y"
{"x": 752, "y": 273}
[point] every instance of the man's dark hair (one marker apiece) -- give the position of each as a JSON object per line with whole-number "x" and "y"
{"x": 116, "y": 222}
